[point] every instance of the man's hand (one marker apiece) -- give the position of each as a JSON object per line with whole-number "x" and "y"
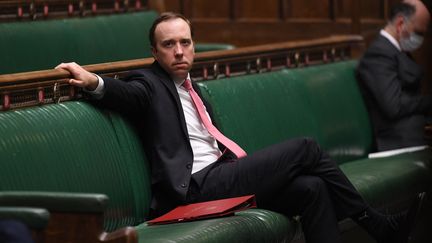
{"x": 82, "y": 78}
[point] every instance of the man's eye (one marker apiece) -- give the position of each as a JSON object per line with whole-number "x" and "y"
{"x": 185, "y": 42}
{"x": 168, "y": 44}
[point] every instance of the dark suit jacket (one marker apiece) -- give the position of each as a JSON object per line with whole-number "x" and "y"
{"x": 150, "y": 97}
{"x": 390, "y": 84}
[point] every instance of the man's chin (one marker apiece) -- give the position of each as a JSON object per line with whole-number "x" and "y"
{"x": 180, "y": 74}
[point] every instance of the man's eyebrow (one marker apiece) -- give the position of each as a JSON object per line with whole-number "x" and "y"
{"x": 167, "y": 40}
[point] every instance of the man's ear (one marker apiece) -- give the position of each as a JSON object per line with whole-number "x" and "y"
{"x": 154, "y": 52}
{"x": 399, "y": 24}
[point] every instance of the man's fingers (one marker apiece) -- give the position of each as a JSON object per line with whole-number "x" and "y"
{"x": 72, "y": 67}
{"x": 61, "y": 65}
{"x": 76, "y": 82}
{"x": 81, "y": 77}
{"x": 67, "y": 66}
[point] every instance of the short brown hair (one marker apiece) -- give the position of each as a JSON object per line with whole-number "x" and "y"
{"x": 165, "y": 17}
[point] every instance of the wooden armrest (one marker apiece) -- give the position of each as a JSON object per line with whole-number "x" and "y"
{"x": 56, "y": 201}
{"x": 73, "y": 217}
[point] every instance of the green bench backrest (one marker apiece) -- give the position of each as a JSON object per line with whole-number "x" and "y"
{"x": 39, "y": 45}
{"x": 74, "y": 147}
{"x": 322, "y": 102}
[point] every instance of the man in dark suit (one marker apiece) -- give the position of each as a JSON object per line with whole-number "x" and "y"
{"x": 390, "y": 79}
{"x": 188, "y": 165}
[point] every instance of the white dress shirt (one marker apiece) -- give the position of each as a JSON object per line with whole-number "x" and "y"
{"x": 204, "y": 146}
{"x": 391, "y": 39}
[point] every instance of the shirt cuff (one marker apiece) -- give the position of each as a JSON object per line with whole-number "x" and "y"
{"x": 99, "y": 91}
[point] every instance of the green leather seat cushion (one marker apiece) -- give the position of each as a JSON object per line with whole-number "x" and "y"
{"x": 253, "y": 225}
{"x": 74, "y": 147}
{"x": 389, "y": 179}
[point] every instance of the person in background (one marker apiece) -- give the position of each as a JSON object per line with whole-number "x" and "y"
{"x": 192, "y": 161}
{"x": 389, "y": 79}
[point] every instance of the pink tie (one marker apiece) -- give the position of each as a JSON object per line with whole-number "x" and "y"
{"x": 239, "y": 152}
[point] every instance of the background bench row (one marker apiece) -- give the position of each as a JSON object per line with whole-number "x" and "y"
{"x": 39, "y": 45}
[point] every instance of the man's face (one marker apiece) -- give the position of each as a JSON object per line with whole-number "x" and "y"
{"x": 174, "y": 49}
{"x": 417, "y": 24}
{"x": 410, "y": 31}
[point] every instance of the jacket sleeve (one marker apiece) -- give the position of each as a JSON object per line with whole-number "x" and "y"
{"x": 128, "y": 96}
{"x": 378, "y": 74}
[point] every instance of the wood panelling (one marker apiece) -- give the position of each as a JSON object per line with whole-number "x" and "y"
{"x": 342, "y": 8}
{"x": 250, "y": 22}
{"x": 309, "y": 8}
{"x": 252, "y": 33}
{"x": 175, "y": 5}
{"x": 257, "y": 9}
{"x": 372, "y": 9}
{"x": 200, "y": 9}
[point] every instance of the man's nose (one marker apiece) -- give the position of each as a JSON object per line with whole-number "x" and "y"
{"x": 178, "y": 50}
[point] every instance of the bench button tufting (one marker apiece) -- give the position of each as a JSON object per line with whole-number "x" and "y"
{"x": 189, "y": 166}
{"x": 183, "y": 185}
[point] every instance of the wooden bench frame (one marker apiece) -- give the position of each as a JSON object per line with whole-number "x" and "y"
{"x": 51, "y": 86}
{"x": 22, "y": 10}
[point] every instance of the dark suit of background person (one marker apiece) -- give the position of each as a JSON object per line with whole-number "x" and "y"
{"x": 294, "y": 178}
{"x": 390, "y": 83}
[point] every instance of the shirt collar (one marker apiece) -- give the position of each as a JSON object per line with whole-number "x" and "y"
{"x": 391, "y": 39}
{"x": 178, "y": 84}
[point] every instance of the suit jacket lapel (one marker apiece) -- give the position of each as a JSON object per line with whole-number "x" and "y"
{"x": 170, "y": 86}
{"x": 409, "y": 71}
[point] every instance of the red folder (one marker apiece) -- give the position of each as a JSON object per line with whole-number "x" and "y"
{"x": 204, "y": 210}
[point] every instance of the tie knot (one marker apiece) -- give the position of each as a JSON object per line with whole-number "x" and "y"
{"x": 187, "y": 84}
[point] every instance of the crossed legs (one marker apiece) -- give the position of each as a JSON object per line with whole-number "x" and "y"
{"x": 294, "y": 178}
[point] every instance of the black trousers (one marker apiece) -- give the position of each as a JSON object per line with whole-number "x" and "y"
{"x": 293, "y": 178}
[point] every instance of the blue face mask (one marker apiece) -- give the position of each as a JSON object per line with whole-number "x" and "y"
{"x": 412, "y": 42}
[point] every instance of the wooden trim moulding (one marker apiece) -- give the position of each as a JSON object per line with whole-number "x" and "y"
{"x": 112, "y": 67}
{"x": 26, "y": 89}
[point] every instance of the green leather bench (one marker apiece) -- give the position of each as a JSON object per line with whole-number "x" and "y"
{"x": 39, "y": 45}
{"x": 322, "y": 102}
{"x": 74, "y": 158}
{"x": 84, "y": 159}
